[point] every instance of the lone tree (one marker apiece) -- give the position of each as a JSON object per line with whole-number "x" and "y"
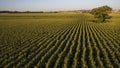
{"x": 101, "y": 13}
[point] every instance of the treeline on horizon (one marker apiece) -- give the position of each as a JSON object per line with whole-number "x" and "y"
{"x": 21, "y": 12}
{"x": 84, "y": 11}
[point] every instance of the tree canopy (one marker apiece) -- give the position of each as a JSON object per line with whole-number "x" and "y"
{"x": 101, "y": 13}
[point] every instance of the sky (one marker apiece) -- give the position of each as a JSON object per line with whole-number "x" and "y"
{"x": 55, "y": 5}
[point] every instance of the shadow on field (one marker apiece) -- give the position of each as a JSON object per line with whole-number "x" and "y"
{"x": 97, "y": 21}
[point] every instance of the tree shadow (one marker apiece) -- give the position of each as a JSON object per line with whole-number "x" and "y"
{"x": 97, "y": 21}
{"x": 94, "y": 21}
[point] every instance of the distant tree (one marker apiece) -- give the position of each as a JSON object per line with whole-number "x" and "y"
{"x": 101, "y": 13}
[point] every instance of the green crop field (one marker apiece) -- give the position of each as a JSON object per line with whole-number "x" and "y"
{"x": 58, "y": 40}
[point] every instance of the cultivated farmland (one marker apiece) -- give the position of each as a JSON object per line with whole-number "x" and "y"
{"x": 58, "y": 40}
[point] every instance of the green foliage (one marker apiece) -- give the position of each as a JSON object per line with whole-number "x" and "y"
{"x": 102, "y": 13}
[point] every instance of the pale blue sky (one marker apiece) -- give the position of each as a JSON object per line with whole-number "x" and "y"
{"x": 55, "y": 5}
